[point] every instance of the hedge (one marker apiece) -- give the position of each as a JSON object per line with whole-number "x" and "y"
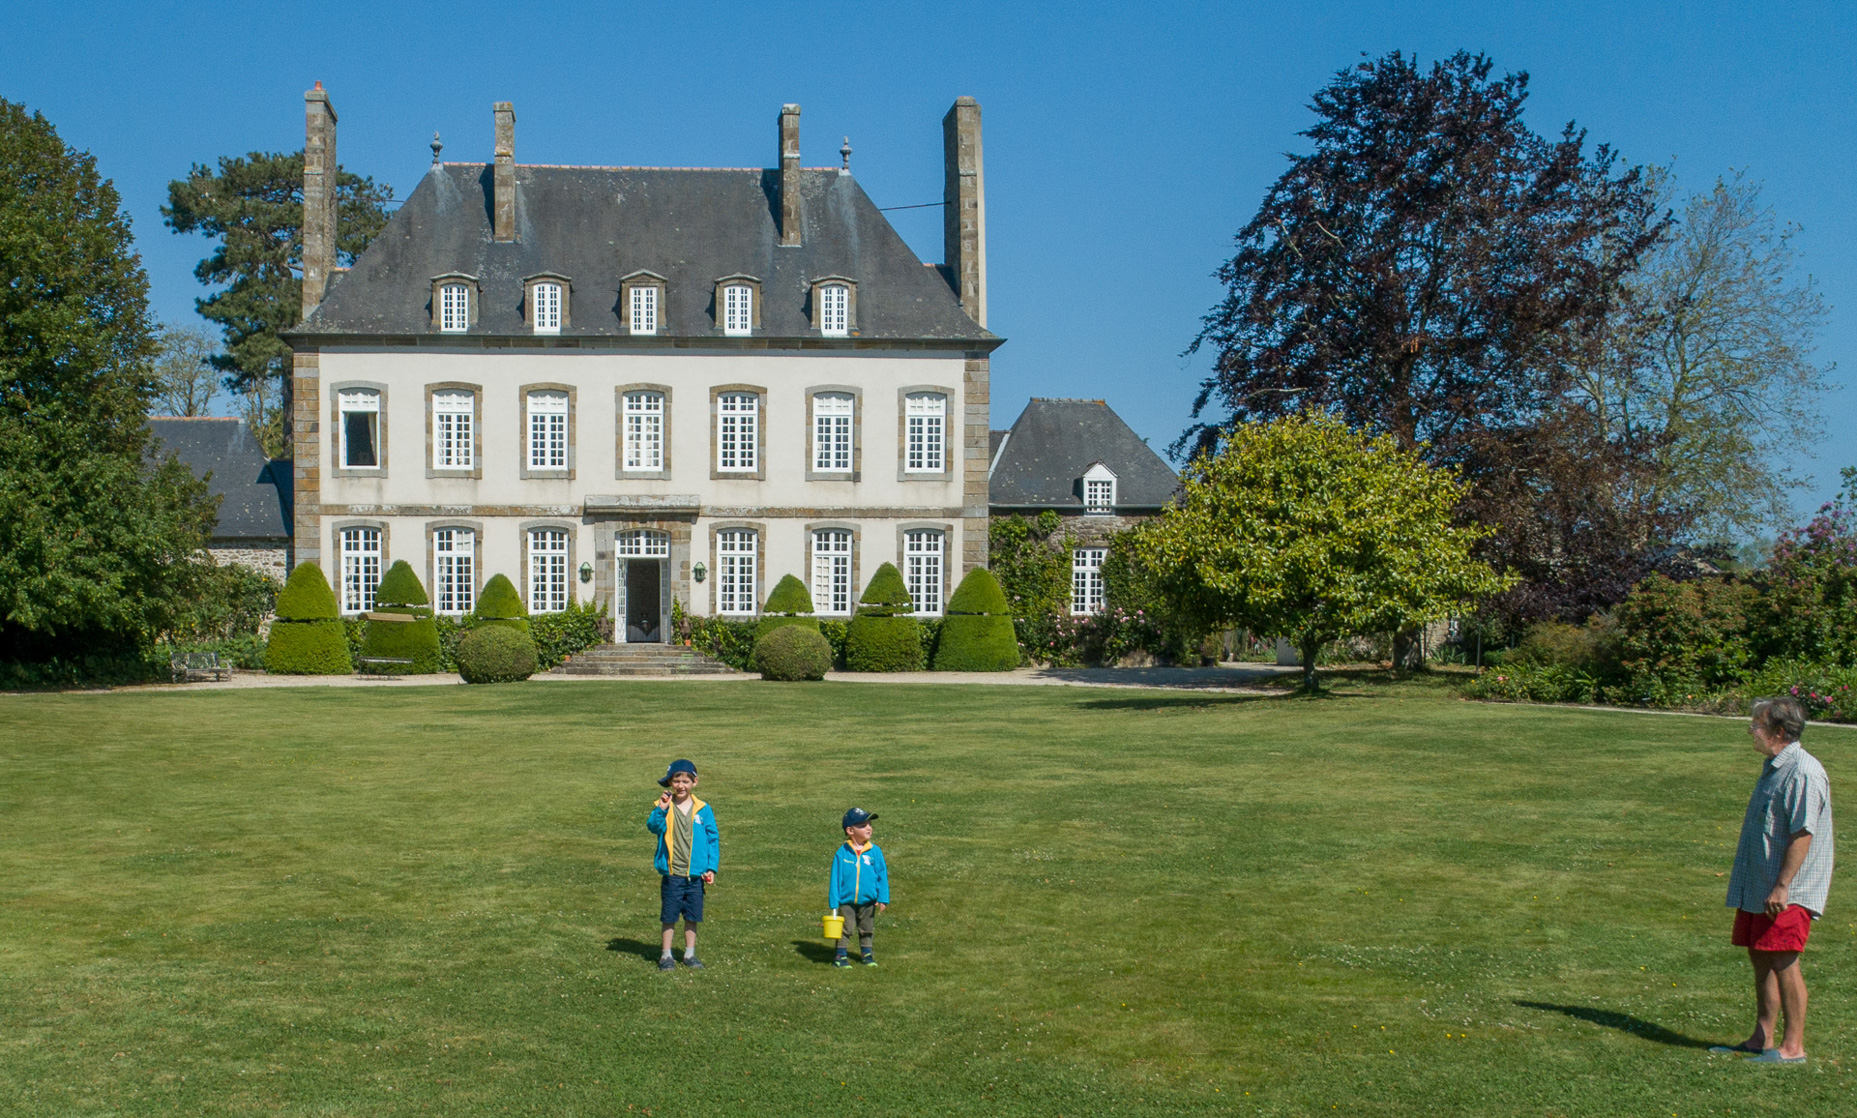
{"x": 977, "y": 634}
{"x": 400, "y": 594}
{"x": 496, "y": 654}
{"x": 789, "y": 604}
{"x": 308, "y": 637}
{"x": 884, "y": 636}
{"x": 499, "y": 604}
{"x": 792, "y": 653}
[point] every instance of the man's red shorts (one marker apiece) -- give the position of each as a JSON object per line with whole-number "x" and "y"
{"x": 1786, "y": 932}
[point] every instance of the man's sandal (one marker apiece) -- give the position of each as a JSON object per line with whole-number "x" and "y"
{"x": 1772, "y": 1056}
{"x": 1741, "y": 1049}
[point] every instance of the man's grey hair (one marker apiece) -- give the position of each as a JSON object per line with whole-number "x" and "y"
{"x": 1781, "y": 715}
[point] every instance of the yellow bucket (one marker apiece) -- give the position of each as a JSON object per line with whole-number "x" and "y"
{"x": 834, "y": 927}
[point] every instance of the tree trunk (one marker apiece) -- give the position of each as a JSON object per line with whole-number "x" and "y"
{"x": 1310, "y": 648}
{"x": 1406, "y": 648}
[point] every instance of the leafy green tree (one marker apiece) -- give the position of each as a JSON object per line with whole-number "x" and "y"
{"x": 98, "y": 541}
{"x": 252, "y": 205}
{"x": 1304, "y": 528}
{"x": 186, "y": 384}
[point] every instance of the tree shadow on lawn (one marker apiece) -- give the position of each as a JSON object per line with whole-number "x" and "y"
{"x": 625, "y": 946}
{"x": 1174, "y": 702}
{"x": 813, "y": 951}
{"x": 1623, "y": 1022}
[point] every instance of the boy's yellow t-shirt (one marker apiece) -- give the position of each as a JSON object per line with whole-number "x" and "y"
{"x": 681, "y": 838}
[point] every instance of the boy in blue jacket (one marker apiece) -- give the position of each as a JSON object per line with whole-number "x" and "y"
{"x": 860, "y": 886}
{"x": 687, "y": 851}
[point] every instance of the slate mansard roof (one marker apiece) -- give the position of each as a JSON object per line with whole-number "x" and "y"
{"x": 599, "y": 225}
{"x": 255, "y": 491}
{"x": 1038, "y": 462}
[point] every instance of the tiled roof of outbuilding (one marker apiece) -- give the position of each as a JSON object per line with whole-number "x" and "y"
{"x": 597, "y": 225}
{"x": 1054, "y": 441}
{"x": 255, "y": 491}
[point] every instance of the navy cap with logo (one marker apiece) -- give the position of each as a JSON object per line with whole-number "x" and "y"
{"x": 857, "y": 817}
{"x": 678, "y": 766}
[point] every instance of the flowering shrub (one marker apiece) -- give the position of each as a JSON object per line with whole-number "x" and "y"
{"x": 1809, "y": 589}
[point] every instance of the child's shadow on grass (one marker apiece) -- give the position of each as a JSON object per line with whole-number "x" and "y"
{"x": 646, "y": 951}
{"x": 813, "y": 951}
{"x": 1623, "y": 1022}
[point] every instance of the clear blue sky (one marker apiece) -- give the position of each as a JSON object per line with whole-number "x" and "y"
{"x": 1124, "y": 143}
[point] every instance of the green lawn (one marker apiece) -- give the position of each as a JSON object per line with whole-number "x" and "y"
{"x": 440, "y": 901}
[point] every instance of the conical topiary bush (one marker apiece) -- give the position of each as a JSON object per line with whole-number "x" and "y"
{"x": 977, "y": 634}
{"x": 415, "y": 639}
{"x": 499, "y": 604}
{"x": 884, "y": 635}
{"x": 307, "y": 636}
{"x": 789, "y": 604}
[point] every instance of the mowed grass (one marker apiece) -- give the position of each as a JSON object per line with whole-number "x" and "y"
{"x": 440, "y": 901}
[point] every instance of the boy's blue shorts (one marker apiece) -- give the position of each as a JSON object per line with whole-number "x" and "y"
{"x": 680, "y": 896}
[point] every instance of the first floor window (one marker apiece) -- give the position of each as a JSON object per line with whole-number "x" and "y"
{"x": 737, "y": 431}
{"x": 831, "y": 572}
{"x": 360, "y": 568}
{"x": 1086, "y": 580}
{"x": 922, "y": 570}
{"x": 926, "y": 417}
{"x": 831, "y": 433}
{"x": 454, "y": 568}
{"x": 546, "y": 308}
{"x": 360, "y": 408}
{"x": 644, "y": 310}
{"x": 835, "y": 310}
{"x": 547, "y": 430}
{"x": 644, "y": 430}
{"x": 735, "y": 570}
{"x": 454, "y": 307}
{"x": 454, "y": 414}
{"x": 547, "y": 570}
{"x": 737, "y": 309}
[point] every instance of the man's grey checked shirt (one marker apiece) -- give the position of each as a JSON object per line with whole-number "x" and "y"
{"x": 1792, "y": 795}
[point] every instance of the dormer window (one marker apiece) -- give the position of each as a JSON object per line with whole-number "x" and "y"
{"x": 644, "y": 310}
{"x": 834, "y": 306}
{"x": 1099, "y": 490}
{"x": 454, "y": 302}
{"x": 738, "y": 307}
{"x": 641, "y": 303}
{"x": 546, "y": 298}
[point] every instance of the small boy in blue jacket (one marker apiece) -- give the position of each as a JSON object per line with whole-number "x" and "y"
{"x": 860, "y": 886}
{"x": 687, "y": 855}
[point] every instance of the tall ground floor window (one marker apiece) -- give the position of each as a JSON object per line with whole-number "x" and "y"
{"x": 360, "y": 568}
{"x": 454, "y": 570}
{"x": 735, "y": 571}
{"x": 831, "y": 572}
{"x": 1086, "y": 580}
{"x": 922, "y": 556}
{"x": 547, "y": 570}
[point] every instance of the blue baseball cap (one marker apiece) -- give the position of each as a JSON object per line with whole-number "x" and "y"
{"x": 857, "y": 817}
{"x": 677, "y": 767}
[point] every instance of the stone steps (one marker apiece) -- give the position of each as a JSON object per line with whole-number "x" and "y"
{"x": 626, "y": 660}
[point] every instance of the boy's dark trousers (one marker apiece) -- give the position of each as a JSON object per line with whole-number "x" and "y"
{"x": 863, "y": 917}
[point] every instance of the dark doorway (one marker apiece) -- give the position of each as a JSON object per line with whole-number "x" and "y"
{"x": 643, "y": 623}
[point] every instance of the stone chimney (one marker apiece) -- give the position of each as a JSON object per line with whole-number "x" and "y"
{"x": 504, "y": 182}
{"x": 964, "y": 208}
{"x": 789, "y": 176}
{"x": 319, "y": 197}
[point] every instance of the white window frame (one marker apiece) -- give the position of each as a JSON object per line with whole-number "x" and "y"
{"x": 545, "y": 301}
{"x": 547, "y": 408}
{"x": 359, "y": 401}
{"x": 454, "y": 571}
{"x": 924, "y": 552}
{"x": 644, "y": 543}
{"x": 925, "y": 448}
{"x": 642, "y": 423}
{"x": 736, "y": 552}
{"x": 833, "y": 414}
{"x": 548, "y": 575}
{"x": 835, "y": 310}
{"x": 454, "y": 315}
{"x": 1086, "y": 580}
{"x": 738, "y": 432}
{"x": 831, "y": 572}
{"x": 1098, "y": 495}
{"x": 737, "y": 310}
{"x": 642, "y": 313}
{"x": 454, "y": 419}
{"x": 361, "y": 567}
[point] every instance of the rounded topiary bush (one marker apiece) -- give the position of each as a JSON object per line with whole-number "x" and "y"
{"x": 307, "y": 637}
{"x": 977, "y": 634}
{"x": 496, "y": 654}
{"x": 793, "y": 652}
{"x": 400, "y": 594}
{"x": 884, "y": 635}
{"x": 499, "y": 604}
{"x": 788, "y": 605}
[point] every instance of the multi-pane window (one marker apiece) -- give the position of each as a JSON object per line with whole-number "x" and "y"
{"x": 453, "y": 416}
{"x": 546, "y": 300}
{"x": 831, "y": 572}
{"x": 922, "y": 570}
{"x": 360, "y": 409}
{"x": 737, "y": 309}
{"x": 454, "y": 307}
{"x": 360, "y": 568}
{"x": 1086, "y": 580}
{"x": 925, "y": 449}
{"x": 831, "y": 432}
{"x": 737, "y": 431}
{"x": 547, "y": 570}
{"x": 643, "y": 312}
{"x": 643, "y": 425}
{"x": 835, "y": 310}
{"x": 454, "y": 570}
{"x": 735, "y": 570}
{"x": 547, "y": 430}
{"x": 1098, "y": 494}
{"x": 644, "y": 544}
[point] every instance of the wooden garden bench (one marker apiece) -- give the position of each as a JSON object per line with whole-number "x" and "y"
{"x": 191, "y": 667}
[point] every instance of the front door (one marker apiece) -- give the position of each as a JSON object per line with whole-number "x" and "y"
{"x": 644, "y": 621}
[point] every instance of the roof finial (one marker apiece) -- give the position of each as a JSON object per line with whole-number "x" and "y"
{"x": 436, "y": 148}
{"x": 845, "y": 154}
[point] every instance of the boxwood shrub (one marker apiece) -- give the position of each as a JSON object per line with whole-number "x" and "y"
{"x": 789, "y": 604}
{"x": 884, "y": 636}
{"x": 307, "y": 636}
{"x": 977, "y": 634}
{"x": 495, "y": 654}
{"x": 499, "y": 604}
{"x": 791, "y": 653}
{"x": 416, "y": 639}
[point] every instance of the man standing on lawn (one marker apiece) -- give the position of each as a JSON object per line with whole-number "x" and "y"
{"x": 1782, "y": 871}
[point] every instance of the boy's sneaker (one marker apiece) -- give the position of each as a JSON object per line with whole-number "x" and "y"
{"x": 869, "y": 959}
{"x": 693, "y": 962}
{"x": 664, "y": 963}
{"x": 841, "y": 960}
